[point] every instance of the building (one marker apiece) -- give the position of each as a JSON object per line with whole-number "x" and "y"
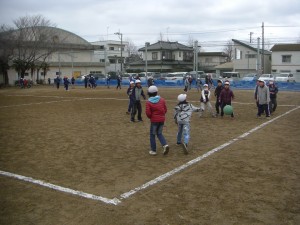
{"x": 165, "y": 56}
{"x": 247, "y": 59}
{"x": 72, "y": 56}
{"x": 286, "y": 59}
{"x": 112, "y": 53}
{"x": 207, "y": 61}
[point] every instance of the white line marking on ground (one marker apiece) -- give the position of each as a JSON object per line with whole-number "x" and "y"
{"x": 113, "y": 201}
{"x": 198, "y": 159}
{"x": 116, "y": 201}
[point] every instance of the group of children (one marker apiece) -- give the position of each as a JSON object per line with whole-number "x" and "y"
{"x": 156, "y": 110}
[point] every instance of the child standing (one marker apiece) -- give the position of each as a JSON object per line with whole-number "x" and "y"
{"x": 204, "y": 101}
{"x": 273, "y": 96}
{"x": 182, "y": 115}
{"x": 198, "y": 84}
{"x": 263, "y": 99}
{"x": 218, "y": 90}
{"x": 155, "y": 110}
{"x": 137, "y": 94}
{"x": 66, "y": 83}
{"x": 130, "y": 96}
{"x": 225, "y": 98}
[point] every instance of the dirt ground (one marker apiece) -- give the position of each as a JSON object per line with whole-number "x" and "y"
{"x": 82, "y": 139}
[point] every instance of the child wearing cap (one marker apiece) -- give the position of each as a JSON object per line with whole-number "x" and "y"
{"x": 156, "y": 110}
{"x": 204, "y": 101}
{"x": 130, "y": 96}
{"x": 137, "y": 94}
{"x": 182, "y": 115}
{"x": 263, "y": 99}
{"x": 218, "y": 90}
{"x": 226, "y": 96}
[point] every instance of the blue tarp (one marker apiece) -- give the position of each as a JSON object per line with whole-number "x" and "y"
{"x": 288, "y": 86}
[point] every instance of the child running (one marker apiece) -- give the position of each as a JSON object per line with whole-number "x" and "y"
{"x": 204, "y": 101}
{"x": 155, "y": 110}
{"x": 226, "y": 96}
{"x": 182, "y": 115}
{"x": 130, "y": 96}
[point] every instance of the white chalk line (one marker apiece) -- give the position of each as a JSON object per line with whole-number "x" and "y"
{"x": 113, "y": 201}
{"x": 198, "y": 159}
{"x": 90, "y": 98}
{"x": 117, "y": 201}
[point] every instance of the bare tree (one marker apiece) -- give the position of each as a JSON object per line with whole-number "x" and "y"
{"x": 228, "y": 50}
{"x": 190, "y": 41}
{"x": 30, "y": 43}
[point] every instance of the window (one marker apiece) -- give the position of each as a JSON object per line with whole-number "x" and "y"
{"x": 112, "y": 48}
{"x": 102, "y": 47}
{"x": 238, "y": 54}
{"x": 286, "y": 58}
{"x": 102, "y": 60}
{"x": 298, "y": 71}
{"x": 208, "y": 60}
{"x": 250, "y": 56}
{"x": 112, "y": 61}
{"x": 179, "y": 54}
{"x": 154, "y": 55}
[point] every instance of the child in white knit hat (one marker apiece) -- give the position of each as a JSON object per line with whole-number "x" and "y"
{"x": 182, "y": 115}
{"x": 205, "y": 101}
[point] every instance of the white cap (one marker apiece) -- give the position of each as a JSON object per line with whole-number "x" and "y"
{"x": 205, "y": 85}
{"x": 152, "y": 89}
{"x": 137, "y": 81}
{"x": 271, "y": 82}
{"x": 131, "y": 82}
{"x": 260, "y": 80}
{"x": 227, "y": 83}
{"x": 181, "y": 97}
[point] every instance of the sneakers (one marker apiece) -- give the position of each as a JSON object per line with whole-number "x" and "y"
{"x": 185, "y": 150}
{"x": 152, "y": 152}
{"x": 166, "y": 149}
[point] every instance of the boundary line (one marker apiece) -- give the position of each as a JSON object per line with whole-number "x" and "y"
{"x": 117, "y": 200}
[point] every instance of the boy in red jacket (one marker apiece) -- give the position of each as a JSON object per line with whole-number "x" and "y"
{"x": 155, "y": 110}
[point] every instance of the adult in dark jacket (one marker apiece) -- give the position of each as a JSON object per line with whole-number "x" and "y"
{"x": 155, "y": 110}
{"x": 137, "y": 94}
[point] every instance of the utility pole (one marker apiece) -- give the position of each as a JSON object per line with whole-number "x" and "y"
{"x": 263, "y": 49}
{"x": 120, "y": 34}
{"x": 251, "y": 33}
{"x": 258, "y": 59}
{"x": 196, "y": 56}
{"x": 146, "y": 61}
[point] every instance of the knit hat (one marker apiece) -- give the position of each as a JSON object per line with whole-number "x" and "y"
{"x": 205, "y": 85}
{"x": 137, "y": 81}
{"x": 181, "y": 97}
{"x": 227, "y": 83}
{"x": 131, "y": 82}
{"x": 152, "y": 89}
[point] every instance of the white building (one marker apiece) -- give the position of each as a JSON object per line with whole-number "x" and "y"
{"x": 286, "y": 59}
{"x": 112, "y": 53}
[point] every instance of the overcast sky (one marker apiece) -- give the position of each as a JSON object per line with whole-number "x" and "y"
{"x": 211, "y": 22}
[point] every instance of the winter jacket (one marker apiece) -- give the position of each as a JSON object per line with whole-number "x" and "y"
{"x": 263, "y": 95}
{"x": 205, "y": 95}
{"x": 273, "y": 91}
{"x": 183, "y": 112}
{"x": 137, "y": 93}
{"x": 218, "y": 91}
{"x": 226, "y": 95}
{"x": 156, "y": 109}
{"x": 129, "y": 93}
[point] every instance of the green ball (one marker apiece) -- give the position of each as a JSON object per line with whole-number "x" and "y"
{"x": 228, "y": 109}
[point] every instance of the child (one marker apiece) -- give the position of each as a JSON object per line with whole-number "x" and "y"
{"x": 182, "y": 115}
{"x": 205, "y": 95}
{"x": 155, "y": 110}
{"x": 218, "y": 90}
{"x": 130, "y": 96}
{"x": 66, "y": 83}
{"x": 273, "y": 96}
{"x": 263, "y": 99}
{"x": 137, "y": 93}
{"x": 225, "y": 98}
{"x": 198, "y": 84}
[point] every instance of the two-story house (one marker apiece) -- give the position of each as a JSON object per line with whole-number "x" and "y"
{"x": 165, "y": 56}
{"x": 247, "y": 59}
{"x": 207, "y": 61}
{"x": 286, "y": 59}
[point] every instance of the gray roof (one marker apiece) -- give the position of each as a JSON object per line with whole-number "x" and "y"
{"x": 250, "y": 46}
{"x": 285, "y": 47}
{"x": 167, "y": 45}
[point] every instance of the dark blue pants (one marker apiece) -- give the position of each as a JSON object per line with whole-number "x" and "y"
{"x": 156, "y": 129}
